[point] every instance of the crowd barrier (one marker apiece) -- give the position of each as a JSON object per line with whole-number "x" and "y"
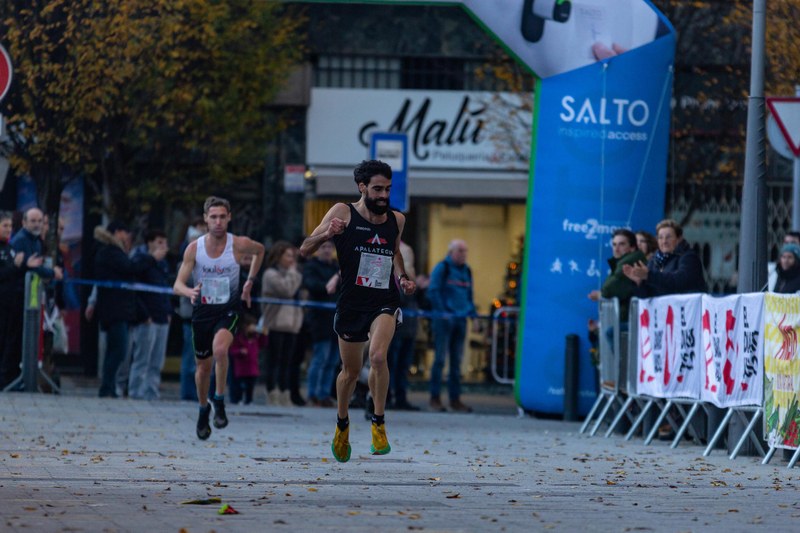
{"x": 737, "y": 353}
{"x": 500, "y": 326}
{"x": 32, "y": 374}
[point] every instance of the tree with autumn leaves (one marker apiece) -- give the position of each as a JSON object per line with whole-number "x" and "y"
{"x": 713, "y": 73}
{"x": 152, "y": 100}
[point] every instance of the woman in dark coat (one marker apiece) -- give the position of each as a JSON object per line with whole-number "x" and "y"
{"x": 788, "y": 270}
{"x": 674, "y": 269}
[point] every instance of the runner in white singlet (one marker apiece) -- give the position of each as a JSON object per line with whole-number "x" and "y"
{"x": 213, "y": 261}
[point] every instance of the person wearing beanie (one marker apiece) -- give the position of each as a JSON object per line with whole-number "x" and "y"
{"x": 788, "y": 270}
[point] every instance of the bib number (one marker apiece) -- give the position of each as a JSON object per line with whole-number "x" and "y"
{"x": 374, "y": 271}
{"x": 215, "y": 291}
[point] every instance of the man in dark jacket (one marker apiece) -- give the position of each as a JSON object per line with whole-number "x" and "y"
{"x": 450, "y": 292}
{"x": 149, "y": 347}
{"x": 12, "y": 273}
{"x": 617, "y": 285}
{"x": 27, "y": 242}
{"x": 674, "y": 269}
{"x": 116, "y": 308}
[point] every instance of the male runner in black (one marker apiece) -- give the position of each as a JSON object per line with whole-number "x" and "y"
{"x": 367, "y": 238}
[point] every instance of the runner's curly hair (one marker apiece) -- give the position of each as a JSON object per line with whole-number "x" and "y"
{"x": 366, "y": 169}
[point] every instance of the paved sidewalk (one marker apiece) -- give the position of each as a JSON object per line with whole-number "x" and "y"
{"x": 79, "y": 463}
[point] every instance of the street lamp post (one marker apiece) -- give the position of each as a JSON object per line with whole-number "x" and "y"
{"x": 753, "y": 231}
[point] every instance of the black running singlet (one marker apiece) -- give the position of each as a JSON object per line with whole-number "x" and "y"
{"x": 365, "y": 253}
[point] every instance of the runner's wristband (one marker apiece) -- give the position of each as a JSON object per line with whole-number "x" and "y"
{"x": 400, "y": 278}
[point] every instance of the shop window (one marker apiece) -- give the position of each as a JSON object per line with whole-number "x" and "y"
{"x": 430, "y": 73}
{"x": 359, "y": 72}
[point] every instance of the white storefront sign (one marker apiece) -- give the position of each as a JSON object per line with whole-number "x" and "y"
{"x": 446, "y": 129}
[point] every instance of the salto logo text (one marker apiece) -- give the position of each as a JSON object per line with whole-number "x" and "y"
{"x": 591, "y": 228}
{"x": 619, "y": 111}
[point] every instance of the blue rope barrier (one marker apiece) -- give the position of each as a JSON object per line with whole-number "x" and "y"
{"x": 144, "y": 287}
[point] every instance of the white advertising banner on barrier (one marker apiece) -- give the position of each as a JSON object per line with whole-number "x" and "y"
{"x": 733, "y": 350}
{"x": 669, "y": 354}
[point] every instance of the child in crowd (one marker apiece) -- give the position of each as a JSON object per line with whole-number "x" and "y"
{"x": 244, "y": 354}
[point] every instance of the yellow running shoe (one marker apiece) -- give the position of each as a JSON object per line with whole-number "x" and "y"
{"x": 380, "y": 444}
{"x": 341, "y": 444}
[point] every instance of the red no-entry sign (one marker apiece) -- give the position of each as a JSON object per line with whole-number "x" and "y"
{"x": 5, "y": 72}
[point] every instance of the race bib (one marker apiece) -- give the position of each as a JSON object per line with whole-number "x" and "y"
{"x": 215, "y": 291}
{"x": 374, "y": 271}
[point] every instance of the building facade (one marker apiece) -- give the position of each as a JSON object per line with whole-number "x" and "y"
{"x": 428, "y": 71}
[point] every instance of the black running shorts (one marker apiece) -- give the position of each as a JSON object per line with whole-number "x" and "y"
{"x": 204, "y": 331}
{"x": 353, "y": 326}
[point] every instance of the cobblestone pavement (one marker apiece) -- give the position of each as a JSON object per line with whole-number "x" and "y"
{"x": 79, "y": 463}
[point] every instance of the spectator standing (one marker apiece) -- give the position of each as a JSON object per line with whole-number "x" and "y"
{"x": 321, "y": 280}
{"x": 115, "y": 308}
{"x": 281, "y": 280}
{"x": 196, "y": 229}
{"x": 674, "y": 269}
{"x": 401, "y": 350}
{"x": 247, "y": 345}
{"x": 184, "y": 311}
{"x": 450, "y": 291}
{"x": 646, "y": 243}
{"x": 149, "y": 335}
{"x": 28, "y": 242}
{"x": 792, "y": 237}
{"x": 788, "y": 270}
{"x": 12, "y": 269}
{"x": 617, "y": 285}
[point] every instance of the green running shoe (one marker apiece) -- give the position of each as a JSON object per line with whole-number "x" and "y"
{"x": 380, "y": 444}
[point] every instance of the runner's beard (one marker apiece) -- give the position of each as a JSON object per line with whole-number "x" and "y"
{"x": 374, "y": 207}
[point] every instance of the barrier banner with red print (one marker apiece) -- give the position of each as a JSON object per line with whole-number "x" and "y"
{"x": 669, "y": 354}
{"x": 781, "y": 370}
{"x": 733, "y": 350}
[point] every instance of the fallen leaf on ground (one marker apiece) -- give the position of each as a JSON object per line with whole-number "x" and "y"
{"x": 227, "y": 509}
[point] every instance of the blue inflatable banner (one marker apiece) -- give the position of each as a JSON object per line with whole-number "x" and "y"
{"x": 598, "y": 161}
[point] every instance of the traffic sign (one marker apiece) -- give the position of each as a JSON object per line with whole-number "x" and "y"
{"x": 776, "y": 139}
{"x": 392, "y": 148}
{"x": 786, "y": 111}
{"x": 5, "y": 72}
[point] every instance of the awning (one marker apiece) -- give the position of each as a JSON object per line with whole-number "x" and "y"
{"x": 434, "y": 183}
